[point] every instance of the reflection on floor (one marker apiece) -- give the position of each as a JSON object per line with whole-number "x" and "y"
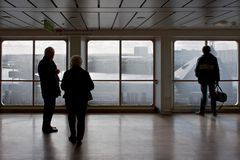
{"x": 123, "y": 137}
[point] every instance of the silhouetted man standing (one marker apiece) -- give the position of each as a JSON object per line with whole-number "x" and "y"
{"x": 207, "y": 72}
{"x": 49, "y": 80}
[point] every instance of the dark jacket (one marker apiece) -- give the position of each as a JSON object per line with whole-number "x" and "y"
{"x": 77, "y": 84}
{"x": 49, "y": 79}
{"x": 207, "y": 70}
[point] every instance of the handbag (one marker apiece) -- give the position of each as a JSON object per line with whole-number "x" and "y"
{"x": 220, "y": 96}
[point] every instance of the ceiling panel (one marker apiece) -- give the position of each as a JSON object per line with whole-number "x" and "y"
{"x": 65, "y": 3}
{"x": 155, "y": 19}
{"x": 220, "y": 3}
{"x": 173, "y": 18}
{"x": 5, "y": 21}
{"x": 75, "y": 19}
{"x": 200, "y": 21}
{"x": 107, "y": 20}
{"x": 6, "y": 24}
{"x": 226, "y": 19}
{"x": 12, "y": 19}
{"x": 190, "y": 17}
{"x": 129, "y": 4}
{"x": 235, "y": 4}
{"x": 154, "y": 3}
{"x": 233, "y": 21}
{"x": 91, "y": 20}
{"x": 42, "y": 3}
{"x": 198, "y": 3}
{"x": 112, "y": 3}
{"x": 139, "y": 19}
{"x": 21, "y": 3}
{"x": 23, "y": 17}
{"x": 177, "y": 3}
{"x": 5, "y": 4}
{"x": 122, "y": 20}
{"x": 87, "y": 3}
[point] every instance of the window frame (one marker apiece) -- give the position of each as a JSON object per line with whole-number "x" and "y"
{"x": 120, "y": 81}
{"x": 177, "y": 108}
{"x": 33, "y": 81}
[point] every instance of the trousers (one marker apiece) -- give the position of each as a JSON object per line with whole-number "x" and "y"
{"x": 76, "y": 117}
{"x": 211, "y": 88}
{"x": 48, "y": 110}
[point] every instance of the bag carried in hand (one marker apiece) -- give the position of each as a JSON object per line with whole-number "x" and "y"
{"x": 220, "y": 95}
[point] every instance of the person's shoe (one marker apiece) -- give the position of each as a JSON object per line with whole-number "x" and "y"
{"x": 72, "y": 139}
{"x": 200, "y": 113}
{"x": 54, "y": 129}
{"x": 215, "y": 114}
{"x": 79, "y": 142}
{"x": 49, "y": 129}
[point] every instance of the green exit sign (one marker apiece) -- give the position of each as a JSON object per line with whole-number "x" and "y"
{"x": 48, "y": 25}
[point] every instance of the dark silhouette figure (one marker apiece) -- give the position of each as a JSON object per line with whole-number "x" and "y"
{"x": 49, "y": 81}
{"x": 77, "y": 85}
{"x": 207, "y": 72}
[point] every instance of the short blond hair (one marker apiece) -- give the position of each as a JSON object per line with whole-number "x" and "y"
{"x": 76, "y": 61}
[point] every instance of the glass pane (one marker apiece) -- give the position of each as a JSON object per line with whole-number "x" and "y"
{"x": 105, "y": 93}
{"x": 231, "y": 88}
{"x": 137, "y": 93}
{"x": 103, "y": 60}
{"x": 60, "y": 48}
{"x": 15, "y": 54}
{"x": 189, "y": 93}
{"x": 137, "y": 60}
{"x": 227, "y": 54}
{"x": 16, "y": 93}
{"x": 185, "y": 59}
{"x": 38, "y": 100}
{"x": 60, "y": 100}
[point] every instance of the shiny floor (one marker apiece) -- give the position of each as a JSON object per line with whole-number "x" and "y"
{"x": 123, "y": 137}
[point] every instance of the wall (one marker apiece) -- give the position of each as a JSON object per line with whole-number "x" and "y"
{"x": 163, "y": 49}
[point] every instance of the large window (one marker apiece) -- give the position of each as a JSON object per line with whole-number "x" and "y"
{"x": 122, "y": 71}
{"x": 19, "y": 78}
{"x": 186, "y": 88}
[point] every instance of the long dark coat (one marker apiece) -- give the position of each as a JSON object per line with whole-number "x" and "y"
{"x": 77, "y": 84}
{"x": 49, "y": 79}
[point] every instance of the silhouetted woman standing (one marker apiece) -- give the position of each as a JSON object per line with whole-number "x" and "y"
{"x": 77, "y": 85}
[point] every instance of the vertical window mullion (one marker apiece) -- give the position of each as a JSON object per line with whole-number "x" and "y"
{"x": 120, "y": 73}
{"x": 238, "y": 97}
{"x": 33, "y": 74}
